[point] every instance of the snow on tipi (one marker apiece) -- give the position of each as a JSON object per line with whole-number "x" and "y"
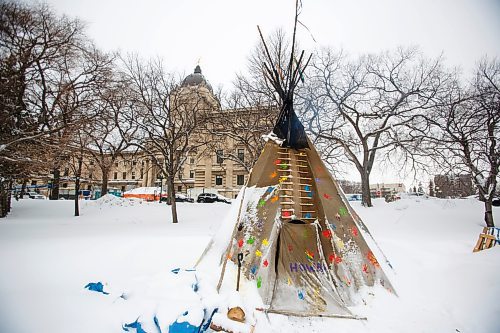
{"x": 295, "y": 233}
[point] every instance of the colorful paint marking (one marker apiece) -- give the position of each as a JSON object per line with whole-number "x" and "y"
{"x": 253, "y": 270}
{"x": 339, "y": 243}
{"x": 301, "y": 294}
{"x": 289, "y": 281}
{"x": 346, "y": 280}
{"x": 311, "y": 267}
{"x": 286, "y": 214}
{"x": 265, "y": 242}
{"x": 277, "y": 162}
{"x": 309, "y": 255}
{"x": 308, "y": 215}
{"x": 275, "y": 198}
{"x": 354, "y": 231}
{"x": 334, "y": 259}
{"x": 250, "y": 240}
{"x": 327, "y": 233}
{"x": 240, "y": 243}
{"x": 259, "y": 282}
{"x": 265, "y": 263}
{"x": 365, "y": 268}
{"x": 372, "y": 259}
{"x": 258, "y": 253}
{"x": 262, "y": 202}
{"x": 333, "y": 226}
{"x": 343, "y": 211}
{"x": 273, "y": 175}
{"x": 307, "y": 188}
{"x": 290, "y": 248}
{"x": 326, "y": 196}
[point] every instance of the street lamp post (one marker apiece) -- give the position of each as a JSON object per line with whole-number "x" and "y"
{"x": 161, "y": 187}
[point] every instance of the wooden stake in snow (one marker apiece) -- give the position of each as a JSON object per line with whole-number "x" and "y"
{"x": 240, "y": 260}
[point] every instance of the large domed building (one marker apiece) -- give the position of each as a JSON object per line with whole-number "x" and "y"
{"x": 196, "y": 80}
{"x": 219, "y": 164}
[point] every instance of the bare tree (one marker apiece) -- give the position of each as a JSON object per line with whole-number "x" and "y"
{"x": 166, "y": 118}
{"x": 365, "y": 108}
{"x": 50, "y": 68}
{"x": 465, "y": 132}
{"x": 112, "y": 130}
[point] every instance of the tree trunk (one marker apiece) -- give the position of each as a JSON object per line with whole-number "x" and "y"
{"x": 171, "y": 198}
{"x": 9, "y": 196}
{"x": 54, "y": 194}
{"x": 488, "y": 213}
{"x": 23, "y": 188}
{"x": 77, "y": 187}
{"x": 365, "y": 189}
{"x": 105, "y": 177}
{"x": 3, "y": 201}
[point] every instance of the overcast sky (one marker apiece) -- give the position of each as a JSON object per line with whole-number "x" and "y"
{"x": 221, "y": 33}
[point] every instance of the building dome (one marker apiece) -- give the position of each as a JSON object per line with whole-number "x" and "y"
{"x": 196, "y": 79}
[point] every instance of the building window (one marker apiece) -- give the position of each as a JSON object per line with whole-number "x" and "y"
{"x": 89, "y": 187}
{"x": 179, "y": 188}
{"x": 134, "y": 163}
{"x": 123, "y": 188}
{"x": 65, "y": 185}
{"x": 91, "y": 162}
{"x": 219, "y": 154}
{"x": 191, "y": 174}
{"x": 33, "y": 183}
{"x": 115, "y": 175}
{"x": 124, "y": 175}
{"x": 142, "y": 173}
{"x": 240, "y": 179}
{"x": 116, "y": 164}
{"x": 218, "y": 180}
{"x": 191, "y": 160}
{"x": 90, "y": 175}
{"x": 133, "y": 175}
{"x": 241, "y": 154}
{"x": 66, "y": 171}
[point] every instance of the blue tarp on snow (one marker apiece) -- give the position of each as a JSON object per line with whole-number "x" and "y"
{"x": 96, "y": 286}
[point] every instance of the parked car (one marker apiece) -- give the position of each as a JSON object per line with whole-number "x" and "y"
{"x": 212, "y": 197}
{"x": 179, "y": 197}
{"x": 34, "y": 195}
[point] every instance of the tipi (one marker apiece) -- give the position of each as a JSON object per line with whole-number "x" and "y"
{"x": 298, "y": 237}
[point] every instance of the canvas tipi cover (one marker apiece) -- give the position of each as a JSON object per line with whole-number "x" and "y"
{"x": 302, "y": 244}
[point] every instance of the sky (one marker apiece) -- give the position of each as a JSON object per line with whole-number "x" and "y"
{"x": 220, "y": 34}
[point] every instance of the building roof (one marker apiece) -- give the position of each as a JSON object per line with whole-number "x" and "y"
{"x": 196, "y": 79}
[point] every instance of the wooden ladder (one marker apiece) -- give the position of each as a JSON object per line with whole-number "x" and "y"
{"x": 296, "y": 190}
{"x": 487, "y": 239}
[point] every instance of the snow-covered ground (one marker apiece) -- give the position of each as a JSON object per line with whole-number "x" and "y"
{"x": 47, "y": 257}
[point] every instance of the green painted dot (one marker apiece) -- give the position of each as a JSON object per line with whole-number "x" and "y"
{"x": 251, "y": 240}
{"x": 343, "y": 211}
{"x": 262, "y": 202}
{"x": 259, "y": 282}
